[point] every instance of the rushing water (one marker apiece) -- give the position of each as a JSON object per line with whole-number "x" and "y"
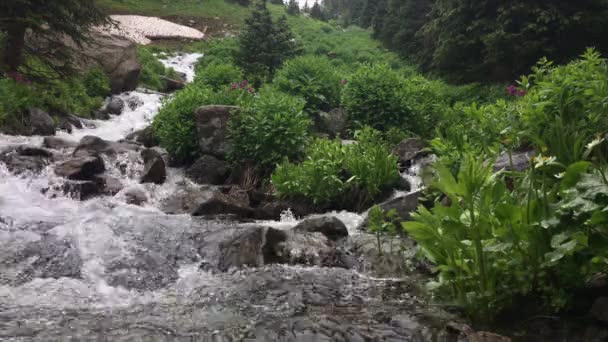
{"x": 106, "y": 270}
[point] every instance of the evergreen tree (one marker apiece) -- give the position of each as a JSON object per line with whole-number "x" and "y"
{"x": 316, "y": 12}
{"x": 293, "y": 8}
{"x": 48, "y": 23}
{"x": 306, "y": 8}
{"x": 264, "y": 45}
{"x": 277, "y": 2}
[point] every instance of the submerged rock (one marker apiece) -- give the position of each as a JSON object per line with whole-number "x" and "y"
{"x": 209, "y": 170}
{"x": 212, "y": 129}
{"x": 115, "y": 106}
{"x": 154, "y": 167}
{"x": 135, "y": 196}
{"x": 80, "y": 168}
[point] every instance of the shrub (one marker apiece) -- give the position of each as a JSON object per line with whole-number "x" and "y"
{"x": 313, "y": 78}
{"x": 374, "y": 96}
{"x": 97, "y": 83}
{"x": 219, "y": 75}
{"x": 15, "y": 98}
{"x": 69, "y": 97}
{"x": 339, "y": 175}
{"x": 174, "y": 124}
{"x": 271, "y": 127}
{"x": 217, "y": 51}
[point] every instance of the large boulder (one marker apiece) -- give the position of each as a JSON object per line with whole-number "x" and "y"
{"x": 26, "y": 159}
{"x": 154, "y": 167}
{"x": 81, "y": 168}
{"x": 409, "y": 149}
{"x": 330, "y": 226}
{"x": 212, "y": 129}
{"x": 118, "y": 58}
{"x": 206, "y": 202}
{"x": 115, "y": 106}
{"x": 58, "y": 143}
{"x": 209, "y": 170}
{"x": 33, "y": 122}
{"x": 92, "y": 145}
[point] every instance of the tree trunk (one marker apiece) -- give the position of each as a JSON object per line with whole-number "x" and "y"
{"x": 14, "y": 46}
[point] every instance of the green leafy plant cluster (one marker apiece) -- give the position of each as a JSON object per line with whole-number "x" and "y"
{"x": 153, "y": 72}
{"x": 271, "y": 127}
{"x": 15, "y": 98}
{"x": 334, "y": 174}
{"x": 312, "y": 77}
{"x": 218, "y": 75}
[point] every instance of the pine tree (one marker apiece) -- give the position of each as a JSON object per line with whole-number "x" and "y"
{"x": 316, "y": 12}
{"x": 293, "y": 8}
{"x": 264, "y": 45}
{"x": 306, "y": 8}
{"x": 48, "y": 22}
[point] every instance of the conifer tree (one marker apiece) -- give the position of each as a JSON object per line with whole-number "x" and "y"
{"x": 293, "y": 8}
{"x": 316, "y": 12}
{"x": 48, "y": 23}
{"x": 264, "y": 45}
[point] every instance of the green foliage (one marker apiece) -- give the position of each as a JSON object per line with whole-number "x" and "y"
{"x": 334, "y": 174}
{"x": 217, "y": 51}
{"x": 174, "y": 124}
{"x": 380, "y": 223}
{"x": 153, "y": 71}
{"x": 264, "y": 45}
{"x": 293, "y": 8}
{"x": 15, "y": 98}
{"x": 313, "y": 78}
{"x": 97, "y": 83}
{"x": 267, "y": 130}
{"x": 374, "y": 96}
{"x": 218, "y": 75}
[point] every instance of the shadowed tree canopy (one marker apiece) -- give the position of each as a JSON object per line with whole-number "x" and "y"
{"x": 40, "y": 29}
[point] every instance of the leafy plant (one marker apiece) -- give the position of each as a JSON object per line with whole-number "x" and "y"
{"x": 313, "y": 78}
{"x": 267, "y": 130}
{"x": 380, "y": 223}
{"x": 218, "y": 75}
{"x": 153, "y": 72}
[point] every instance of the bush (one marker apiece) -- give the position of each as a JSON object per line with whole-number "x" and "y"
{"x": 97, "y": 83}
{"x": 375, "y": 96}
{"x": 270, "y": 128}
{"x": 15, "y": 98}
{"x": 174, "y": 124}
{"x": 342, "y": 176}
{"x": 217, "y": 51}
{"x": 219, "y": 75}
{"x": 313, "y": 78}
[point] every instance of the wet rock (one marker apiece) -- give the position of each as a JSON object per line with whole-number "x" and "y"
{"x": 26, "y": 159}
{"x": 212, "y": 129}
{"x": 68, "y": 122}
{"x": 118, "y": 58}
{"x": 145, "y": 271}
{"x": 49, "y": 257}
{"x": 404, "y": 205}
{"x": 243, "y": 250}
{"x": 172, "y": 85}
{"x": 219, "y": 204}
{"x": 33, "y": 122}
{"x": 81, "y": 168}
{"x": 108, "y": 185}
{"x": 58, "y": 143}
{"x": 521, "y": 161}
{"x": 409, "y": 149}
{"x": 144, "y": 136}
{"x": 154, "y": 167}
{"x": 330, "y": 226}
{"x": 115, "y": 106}
{"x": 80, "y": 190}
{"x": 134, "y": 102}
{"x": 135, "y": 197}
{"x": 92, "y": 145}
{"x": 333, "y": 124}
{"x": 209, "y": 170}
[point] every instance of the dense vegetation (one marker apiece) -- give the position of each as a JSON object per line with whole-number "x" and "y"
{"x": 479, "y": 40}
{"x": 498, "y": 238}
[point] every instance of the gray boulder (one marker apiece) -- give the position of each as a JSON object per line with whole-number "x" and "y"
{"x": 135, "y": 197}
{"x": 117, "y": 56}
{"x": 209, "y": 170}
{"x": 206, "y": 202}
{"x": 81, "y": 168}
{"x": 58, "y": 143}
{"x": 403, "y": 205}
{"x": 409, "y": 149}
{"x": 154, "y": 167}
{"x": 144, "y": 136}
{"x": 330, "y": 226}
{"x": 41, "y": 123}
{"x": 212, "y": 129}
{"x": 91, "y": 145}
{"x": 115, "y": 106}
{"x": 26, "y": 159}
